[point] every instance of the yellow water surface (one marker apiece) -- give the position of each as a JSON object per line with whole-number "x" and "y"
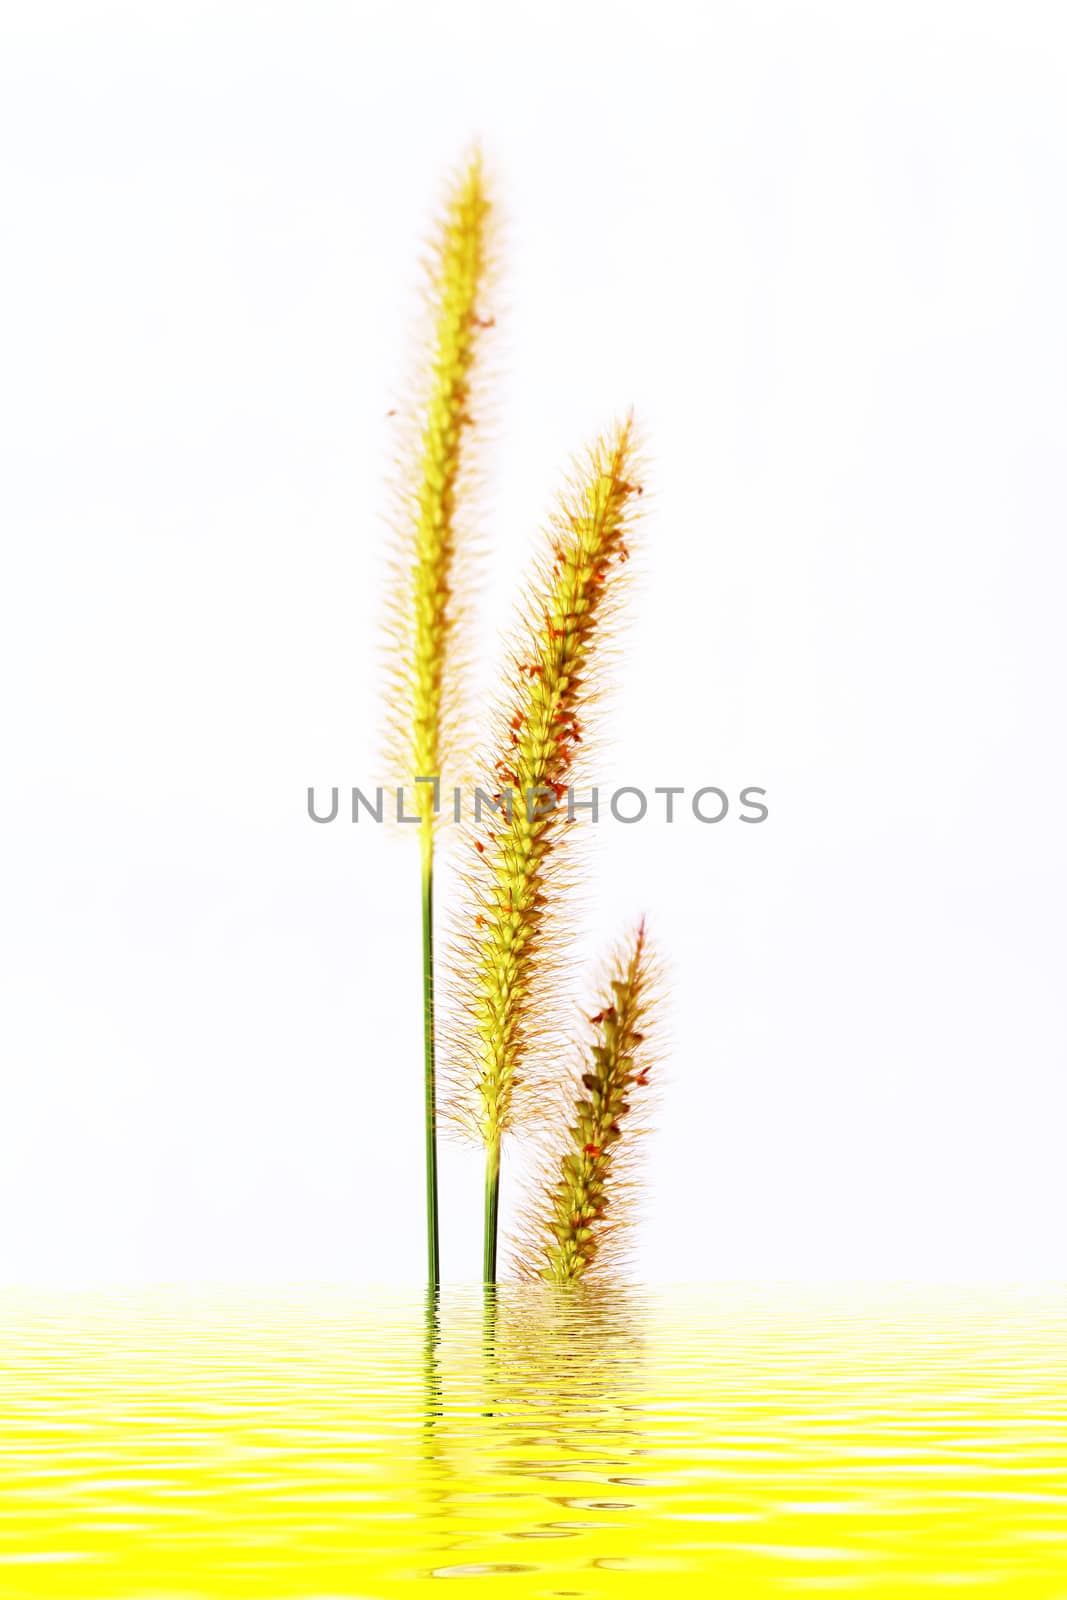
{"x": 718, "y": 1442}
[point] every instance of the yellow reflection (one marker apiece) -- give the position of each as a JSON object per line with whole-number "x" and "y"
{"x": 529, "y": 1441}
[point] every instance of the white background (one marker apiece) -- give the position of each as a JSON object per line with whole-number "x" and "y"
{"x": 822, "y": 250}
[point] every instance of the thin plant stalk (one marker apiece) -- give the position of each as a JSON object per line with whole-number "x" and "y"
{"x": 433, "y": 1241}
{"x": 491, "y": 1223}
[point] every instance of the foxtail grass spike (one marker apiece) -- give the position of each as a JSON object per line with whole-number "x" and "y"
{"x": 432, "y": 569}
{"x": 580, "y": 1211}
{"x": 511, "y": 943}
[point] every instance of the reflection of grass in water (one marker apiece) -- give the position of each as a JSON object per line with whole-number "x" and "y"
{"x": 432, "y": 1391}
{"x": 554, "y": 1379}
{"x": 436, "y": 1483}
{"x": 540, "y": 1348}
{"x": 565, "y": 1362}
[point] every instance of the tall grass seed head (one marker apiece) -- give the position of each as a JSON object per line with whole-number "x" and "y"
{"x": 435, "y": 559}
{"x": 580, "y": 1201}
{"x": 511, "y": 947}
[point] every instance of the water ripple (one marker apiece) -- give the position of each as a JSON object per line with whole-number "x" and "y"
{"x": 734, "y": 1442}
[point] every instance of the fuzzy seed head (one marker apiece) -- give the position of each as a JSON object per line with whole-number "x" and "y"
{"x": 507, "y": 955}
{"x": 578, "y": 1209}
{"x": 431, "y": 565}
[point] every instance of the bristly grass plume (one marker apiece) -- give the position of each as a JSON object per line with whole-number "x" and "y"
{"x": 431, "y": 566}
{"x": 576, "y": 1220}
{"x": 508, "y": 951}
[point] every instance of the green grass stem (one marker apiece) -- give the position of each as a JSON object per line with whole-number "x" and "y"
{"x": 492, "y": 1209}
{"x": 429, "y": 1063}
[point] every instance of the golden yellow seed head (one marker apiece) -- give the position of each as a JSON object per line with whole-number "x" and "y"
{"x": 579, "y": 1206}
{"x": 507, "y": 968}
{"x": 422, "y": 665}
